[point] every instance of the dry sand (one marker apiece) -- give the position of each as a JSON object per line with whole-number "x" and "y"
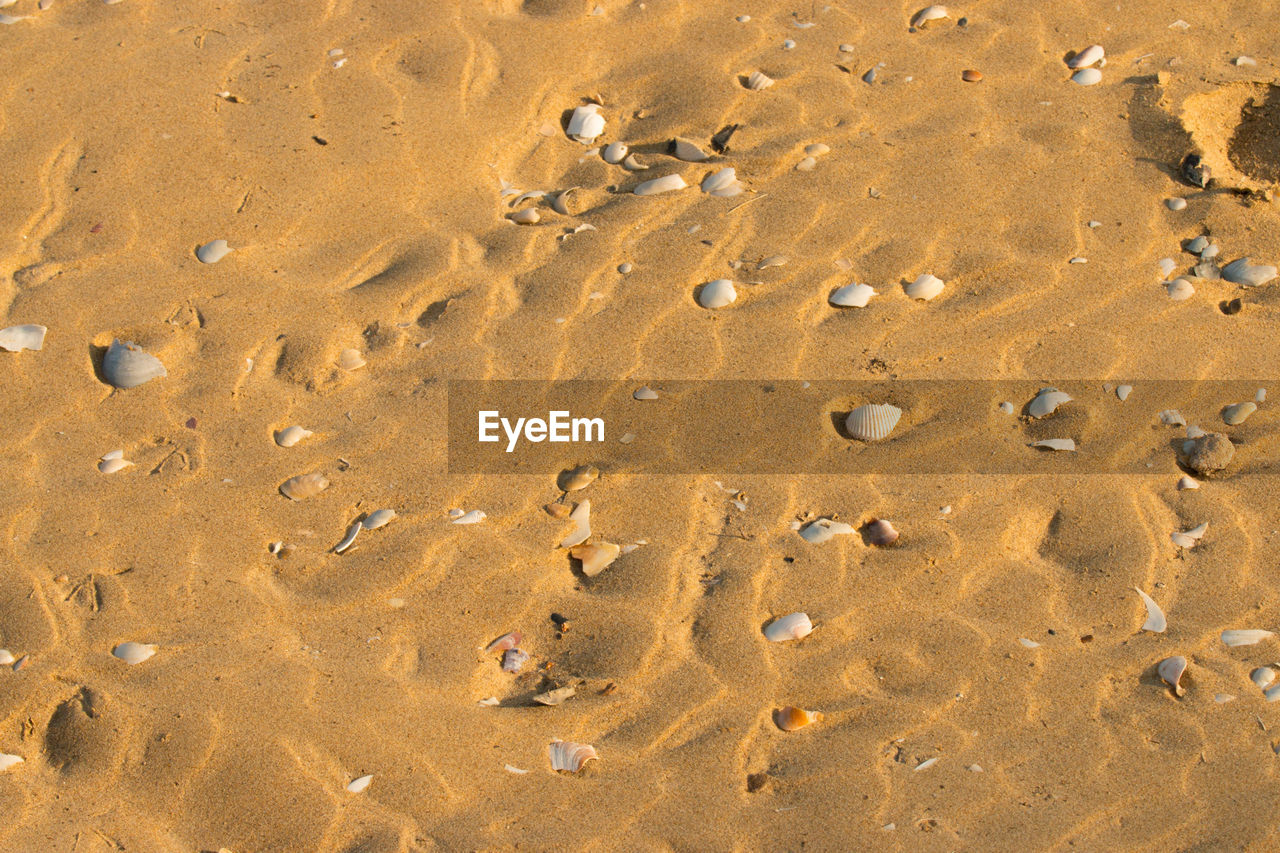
{"x": 363, "y": 207}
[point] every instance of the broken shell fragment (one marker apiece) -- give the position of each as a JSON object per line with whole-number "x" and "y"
{"x": 1187, "y": 483}
{"x": 666, "y": 183}
{"x": 126, "y": 365}
{"x": 18, "y": 338}
{"x": 880, "y": 533}
{"x": 7, "y": 761}
{"x": 790, "y": 718}
{"x": 758, "y": 80}
{"x": 113, "y": 462}
{"x": 585, "y": 124}
{"x": 213, "y": 251}
{"x": 1172, "y": 417}
{"x": 133, "y": 653}
{"x": 358, "y": 784}
{"x": 474, "y": 517}
{"x": 351, "y": 359}
{"x": 793, "y": 626}
{"x": 528, "y": 216}
{"x": 1047, "y": 402}
{"x": 1155, "y": 616}
{"x": 614, "y": 153}
{"x": 555, "y": 697}
{"x": 722, "y": 183}
{"x": 1056, "y": 444}
{"x": 505, "y": 642}
{"x": 1089, "y": 56}
{"x": 595, "y": 557}
{"x": 872, "y": 422}
{"x": 1236, "y": 414}
{"x": 347, "y": 541}
{"x": 683, "y": 149}
{"x": 1263, "y": 676}
{"x": 852, "y": 296}
{"x": 1171, "y": 670}
{"x": 513, "y": 660}
{"x": 717, "y": 294}
{"x": 378, "y": 518}
{"x": 927, "y": 14}
{"x": 304, "y": 486}
{"x": 1123, "y": 392}
{"x": 581, "y": 516}
{"x": 925, "y": 287}
{"x": 570, "y": 756}
{"x": 1248, "y": 274}
{"x": 1180, "y": 289}
{"x": 644, "y": 392}
{"x": 289, "y": 436}
{"x": 824, "y": 529}
{"x": 1245, "y": 636}
{"x": 577, "y": 478}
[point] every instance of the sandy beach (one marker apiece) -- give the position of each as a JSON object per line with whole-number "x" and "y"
{"x": 412, "y": 193}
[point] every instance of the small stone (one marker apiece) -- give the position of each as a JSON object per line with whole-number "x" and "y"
{"x": 1208, "y": 453}
{"x": 1175, "y": 203}
{"x": 969, "y": 75}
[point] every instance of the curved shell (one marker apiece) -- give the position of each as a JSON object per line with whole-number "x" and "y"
{"x": 852, "y": 296}
{"x": 581, "y": 516}
{"x": 18, "y": 338}
{"x": 114, "y": 464}
{"x": 570, "y": 756}
{"x": 722, "y": 183}
{"x": 1245, "y": 272}
{"x": 378, "y": 518}
{"x": 528, "y": 216}
{"x": 1087, "y": 76}
{"x": 351, "y": 359}
{"x": 793, "y": 626}
{"x": 1056, "y": 444}
{"x": 126, "y": 365}
{"x": 1047, "y": 402}
{"x": 880, "y": 533}
{"x": 1263, "y": 676}
{"x": 927, "y": 14}
{"x": 506, "y": 641}
{"x": 1171, "y": 670}
{"x": 213, "y": 251}
{"x": 474, "y": 517}
{"x": 1089, "y": 56}
{"x": 717, "y": 294}
{"x": 1245, "y": 636}
{"x": 925, "y": 287}
{"x": 1238, "y": 413}
{"x": 872, "y": 422}
{"x": 666, "y": 183}
{"x": 304, "y": 486}
{"x": 823, "y": 529}
{"x": 614, "y": 153}
{"x": 689, "y": 152}
{"x": 595, "y": 557}
{"x": 347, "y": 541}
{"x": 1155, "y": 616}
{"x": 585, "y": 124}
{"x": 289, "y": 436}
{"x": 360, "y": 783}
{"x": 1180, "y": 288}
{"x": 791, "y": 718}
{"x": 133, "y": 653}
{"x": 759, "y": 80}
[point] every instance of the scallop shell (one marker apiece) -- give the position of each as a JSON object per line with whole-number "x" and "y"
{"x": 1245, "y": 273}
{"x": 925, "y": 287}
{"x": 927, "y": 14}
{"x": 474, "y": 517}
{"x": 126, "y": 365}
{"x": 134, "y": 653}
{"x": 581, "y": 516}
{"x": 1087, "y": 76}
{"x": 614, "y": 153}
{"x": 1245, "y": 636}
{"x": 1155, "y": 616}
{"x": 852, "y": 296}
{"x": 570, "y": 756}
{"x": 359, "y": 783}
{"x": 347, "y": 541}
{"x": 1056, "y": 444}
{"x": 1090, "y": 55}
{"x": 717, "y": 294}
{"x": 1171, "y": 670}
{"x": 880, "y": 533}
{"x": 872, "y": 422}
{"x": 683, "y": 149}
{"x": 378, "y": 518}
{"x": 790, "y": 718}
{"x": 759, "y": 80}
{"x": 304, "y": 486}
{"x": 506, "y": 641}
{"x": 18, "y": 338}
{"x": 1263, "y": 676}
{"x": 595, "y": 557}
{"x": 513, "y": 660}
{"x": 351, "y": 359}
{"x": 722, "y": 183}
{"x": 666, "y": 183}
{"x": 1180, "y": 288}
{"x": 1047, "y": 402}
{"x": 793, "y": 626}
{"x": 577, "y": 478}
{"x": 289, "y": 436}
{"x": 823, "y": 529}
{"x": 585, "y": 124}
{"x": 1237, "y": 414}
{"x": 7, "y": 761}
{"x": 213, "y": 251}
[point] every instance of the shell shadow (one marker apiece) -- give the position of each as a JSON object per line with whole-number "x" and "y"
{"x": 96, "y": 356}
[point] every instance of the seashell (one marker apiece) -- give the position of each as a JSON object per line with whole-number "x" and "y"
{"x": 351, "y": 359}
{"x": 595, "y": 557}
{"x": 852, "y": 296}
{"x": 1263, "y": 676}
{"x": 113, "y": 462}
{"x": 1089, "y": 56}
{"x": 505, "y": 642}
{"x": 1194, "y": 169}
{"x": 808, "y": 164}
{"x": 683, "y": 149}
{"x": 970, "y": 75}
{"x": 872, "y": 422}
{"x": 1182, "y": 540}
{"x": 126, "y": 365}
{"x": 1238, "y": 413}
{"x": 1245, "y": 636}
{"x": 1248, "y": 274}
{"x": 528, "y": 216}
{"x": 347, "y": 541}
{"x": 926, "y": 764}
{"x": 1194, "y": 431}
{"x": 474, "y": 517}
{"x": 1210, "y": 251}
{"x": 614, "y": 153}
{"x": 213, "y": 251}
{"x": 304, "y": 486}
{"x": 1196, "y": 245}
{"x": 633, "y": 164}
{"x": 793, "y": 626}
{"x": 772, "y": 261}
{"x": 6, "y": 657}
{"x": 18, "y": 338}
{"x": 1220, "y": 698}
{"x": 513, "y": 660}
{"x": 823, "y": 529}
{"x": 585, "y": 124}
{"x": 723, "y": 183}
{"x": 758, "y": 80}
{"x": 790, "y": 718}
{"x": 1167, "y": 265}
{"x": 7, "y": 761}
{"x": 1007, "y": 407}
{"x": 511, "y": 768}
{"x": 359, "y": 783}
{"x": 1123, "y": 392}
{"x": 1261, "y": 396}
{"x": 667, "y": 183}
{"x": 1187, "y": 483}
{"x": 927, "y": 14}
{"x": 570, "y": 756}
{"x": 880, "y": 533}
{"x": 134, "y": 653}
{"x": 1171, "y": 670}
{"x": 289, "y": 436}
{"x": 1244, "y": 60}
{"x": 525, "y": 196}
{"x": 1207, "y": 271}
{"x": 1175, "y": 203}
{"x": 717, "y": 294}
{"x": 1087, "y": 76}
{"x": 644, "y": 392}
{"x": 378, "y": 518}
{"x": 925, "y": 287}
{"x": 577, "y": 478}
{"x": 1180, "y": 288}
{"x": 1047, "y": 402}
{"x": 581, "y": 516}
{"x": 555, "y": 697}
{"x": 1271, "y": 694}
{"x": 1030, "y": 644}
{"x": 1210, "y": 452}
{"x": 1155, "y": 616}
{"x": 1056, "y": 444}
{"x": 817, "y": 149}
{"x": 1172, "y": 417}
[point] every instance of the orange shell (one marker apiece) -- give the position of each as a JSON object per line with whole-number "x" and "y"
{"x": 791, "y": 718}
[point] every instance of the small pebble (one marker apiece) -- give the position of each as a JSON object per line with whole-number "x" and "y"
{"x": 971, "y": 76}
{"x": 624, "y": 268}
{"x": 1175, "y": 203}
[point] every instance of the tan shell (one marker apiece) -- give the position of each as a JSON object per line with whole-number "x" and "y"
{"x": 304, "y": 486}
{"x": 793, "y": 626}
{"x": 1171, "y": 670}
{"x": 880, "y": 533}
{"x": 872, "y": 422}
{"x": 577, "y": 478}
{"x": 582, "y": 516}
{"x": 351, "y": 359}
{"x": 570, "y": 756}
{"x": 791, "y": 718}
{"x": 759, "y": 80}
{"x": 596, "y": 557}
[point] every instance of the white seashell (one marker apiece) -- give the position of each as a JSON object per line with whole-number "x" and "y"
{"x": 1198, "y": 531}
{"x": 289, "y": 436}
{"x": 1238, "y": 413}
{"x": 7, "y": 761}
{"x": 1171, "y": 670}
{"x": 1271, "y": 694}
{"x": 1248, "y": 274}
{"x": 758, "y": 80}
{"x": 817, "y": 149}
{"x": 1207, "y": 270}
{"x": 717, "y": 294}
{"x": 304, "y": 486}
{"x": 823, "y": 529}
{"x": 1180, "y": 288}
{"x": 378, "y": 518}
{"x": 1047, "y": 402}
{"x": 1175, "y": 203}
{"x": 772, "y": 261}
{"x": 111, "y": 466}
{"x": 1263, "y": 676}
{"x": 644, "y": 392}
{"x": 633, "y": 164}
{"x": 852, "y": 296}
{"x": 1172, "y": 417}
{"x": 474, "y": 517}
{"x": 511, "y": 768}
{"x": 1182, "y": 540}
{"x": 1187, "y": 483}
{"x": 1245, "y": 636}
{"x": 1155, "y": 616}
{"x": 595, "y": 557}
{"x": 872, "y": 422}
{"x": 723, "y": 183}
{"x": 1261, "y": 396}
{"x": 581, "y": 516}
{"x": 614, "y": 153}
{"x": 808, "y": 164}
{"x": 1123, "y": 392}
{"x": 667, "y": 183}
{"x": 1196, "y": 245}
{"x": 925, "y": 287}
{"x": 18, "y": 338}
{"x": 1167, "y": 265}
{"x": 213, "y": 251}
{"x": 126, "y": 365}
{"x": 1090, "y": 55}
{"x": 351, "y": 359}
{"x": 567, "y": 755}
{"x": 513, "y": 660}
{"x": 585, "y": 124}
{"x": 1244, "y": 60}
{"x": 927, "y": 14}
{"x": 683, "y": 149}
{"x": 1056, "y": 444}
{"x": 1030, "y": 644}
{"x": 12, "y": 19}
{"x": 134, "y": 653}
{"x": 926, "y": 764}
{"x": 347, "y": 541}
{"x": 793, "y": 626}
{"x": 1007, "y": 407}
{"x": 6, "y": 657}
{"x": 1087, "y": 76}
{"x": 360, "y": 783}
{"x": 1194, "y": 431}
{"x": 528, "y": 216}
{"x": 1210, "y": 252}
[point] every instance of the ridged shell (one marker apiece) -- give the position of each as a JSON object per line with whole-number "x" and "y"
{"x": 378, "y": 518}
{"x": 925, "y": 287}
{"x": 570, "y": 756}
{"x": 614, "y": 153}
{"x": 585, "y": 124}
{"x": 1238, "y": 413}
{"x": 666, "y": 183}
{"x": 872, "y": 422}
{"x": 289, "y": 436}
{"x": 1246, "y": 273}
{"x": 852, "y": 296}
{"x": 213, "y": 251}
{"x": 133, "y": 653}
{"x": 581, "y": 516}
{"x": 1155, "y": 616}
{"x": 759, "y": 80}
{"x": 717, "y": 294}
{"x": 595, "y": 557}
{"x": 1171, "y": 670}
{"x": 18, "y": 338}
{"x": 1087, "y": 76}
{"x": 126, "y": 365}
{"x": 793, "y": 626}
{"x": 1090, "y": 55}
{"x": 1245, "y": 636}
{"x": 1047, "y": 402}
{"x": 304, "y": 486}
{"x": 722, "y": 183}
{"x": 791, "y": 718}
